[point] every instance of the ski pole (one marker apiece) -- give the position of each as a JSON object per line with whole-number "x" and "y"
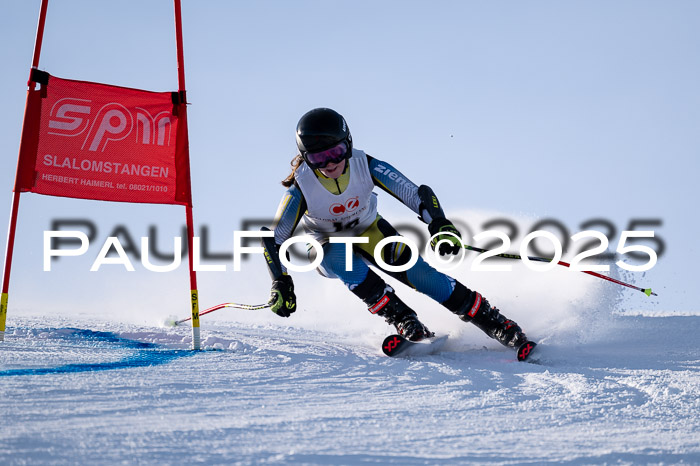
{"x": 275, "y": 268}
{"x": 646, "y": 291}
{"x": 250, "y": 307}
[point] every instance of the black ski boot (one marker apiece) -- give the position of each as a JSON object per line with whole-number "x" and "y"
{"x": 398, "y": 314}
{"x": 381, "y": 300}
{"x": 470, "y": 306}
{"x": 497, "y": 326}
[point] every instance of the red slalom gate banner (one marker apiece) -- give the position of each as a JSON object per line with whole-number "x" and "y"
{"x": 102, "y": 142}
{"x": 95, "y": 141}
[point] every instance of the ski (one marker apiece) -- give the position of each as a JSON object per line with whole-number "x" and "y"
{"x": 525, "y": 350}
{"x": 396, "y": 345}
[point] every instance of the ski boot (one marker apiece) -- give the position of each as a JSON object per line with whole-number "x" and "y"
{"x": 398, "y": 314}
{"x": 494, "y": 324}
{"x": 470, "y": 306}
{"x": 381, "y": 300}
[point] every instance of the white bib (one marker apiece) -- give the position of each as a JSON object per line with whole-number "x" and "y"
{"x": 347, "y": 214}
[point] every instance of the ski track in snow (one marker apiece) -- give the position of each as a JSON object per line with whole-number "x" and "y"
{"x": 267, "y": 394}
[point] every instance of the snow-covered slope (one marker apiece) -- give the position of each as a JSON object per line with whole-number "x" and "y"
{"x": 84, "y": 390}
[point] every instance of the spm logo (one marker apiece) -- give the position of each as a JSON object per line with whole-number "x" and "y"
{"x": 74, "y": 117}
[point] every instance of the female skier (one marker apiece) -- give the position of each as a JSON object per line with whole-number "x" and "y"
{"x": 330, "y": 191}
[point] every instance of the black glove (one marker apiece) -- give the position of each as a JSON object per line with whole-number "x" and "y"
{"x": 284, "y": 302}
{"x": 442, "y": 225}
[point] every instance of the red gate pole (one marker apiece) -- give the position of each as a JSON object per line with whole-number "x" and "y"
{"x": 188, "y": 208}
{"x": 16, "y": 193}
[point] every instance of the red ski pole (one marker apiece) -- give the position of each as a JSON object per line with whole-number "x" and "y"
{"x": 250, "y": 307}
{"x": 646, "y": 291}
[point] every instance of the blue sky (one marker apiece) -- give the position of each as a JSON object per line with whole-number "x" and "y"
{"x": 566, "y": 110}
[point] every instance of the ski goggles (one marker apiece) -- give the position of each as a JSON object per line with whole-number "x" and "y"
{"x": 335, "y": 154}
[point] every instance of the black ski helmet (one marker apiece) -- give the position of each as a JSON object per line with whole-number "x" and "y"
{"x": 321, "y": 129}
